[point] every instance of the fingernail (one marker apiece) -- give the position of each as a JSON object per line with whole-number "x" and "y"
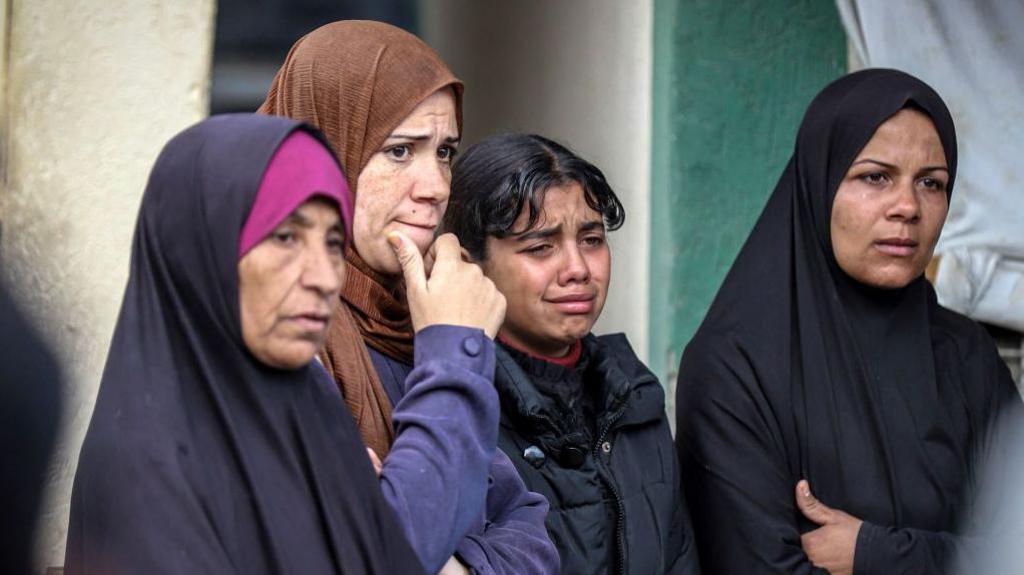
{"x": 394, "y": 240}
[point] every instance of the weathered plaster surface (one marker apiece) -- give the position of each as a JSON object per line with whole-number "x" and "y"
{"x": 576, "y": 71}
{"x": 93, "y": 90}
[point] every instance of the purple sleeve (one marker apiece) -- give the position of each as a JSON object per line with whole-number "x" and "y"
{"x": 512, "y": 540}
{"x": 446, "y": 424}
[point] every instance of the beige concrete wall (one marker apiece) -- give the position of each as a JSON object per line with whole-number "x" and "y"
{"x": 578, "y": 71}
{"x": 94, "y": 88}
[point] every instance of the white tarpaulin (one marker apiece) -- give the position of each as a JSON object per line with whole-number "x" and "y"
{"x": 972, "y": 53}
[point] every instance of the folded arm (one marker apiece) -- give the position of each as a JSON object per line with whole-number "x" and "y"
{"x": 512, "y": 538}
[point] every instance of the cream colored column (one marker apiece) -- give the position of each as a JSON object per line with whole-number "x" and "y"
{"x": 93, "y": 89}
{"x": 579, "y": 72}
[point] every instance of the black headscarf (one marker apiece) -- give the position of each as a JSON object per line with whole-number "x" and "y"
{"x": 880, "y": 398}
{"x": 30, "y": 400}
{"x": 199, "y": 458}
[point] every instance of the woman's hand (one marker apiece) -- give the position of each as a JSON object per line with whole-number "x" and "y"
{"x": 832, "y": 545}
{"x": 377, "y": 465}
{"x": 456, "y": 291}
{"x": 453, "y": 567}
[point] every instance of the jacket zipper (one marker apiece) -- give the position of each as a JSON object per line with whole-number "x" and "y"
{"x": 606, "y": 477}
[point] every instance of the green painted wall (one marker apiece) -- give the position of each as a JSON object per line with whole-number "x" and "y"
{"x": 731, "y": 82}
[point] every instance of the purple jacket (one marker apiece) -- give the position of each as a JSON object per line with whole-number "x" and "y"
{"x": 507, "y": 536}
{"x": 452, "y": 490}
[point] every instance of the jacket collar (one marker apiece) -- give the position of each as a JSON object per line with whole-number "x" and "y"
{"x": 544, "y": 401}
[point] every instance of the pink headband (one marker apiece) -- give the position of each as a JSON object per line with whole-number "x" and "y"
{"x": 300, "y": 169}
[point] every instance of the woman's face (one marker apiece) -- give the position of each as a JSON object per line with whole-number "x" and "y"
{"x": 288, "y": 286}
{"x": 555, "y": 276}
{"x": 891, "y": 205}
{"x": 405, "y": 185}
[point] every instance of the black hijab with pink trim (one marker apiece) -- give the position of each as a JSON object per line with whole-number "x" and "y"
{"x": 199, "y": 458}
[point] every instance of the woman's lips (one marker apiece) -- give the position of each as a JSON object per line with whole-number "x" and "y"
{"x": 577, "y": 304}
{"x": 897, "y": 247}
{"x": 312, "y": 322}
{"x": 421, "y": 235}
{"x": 426, "y": 227}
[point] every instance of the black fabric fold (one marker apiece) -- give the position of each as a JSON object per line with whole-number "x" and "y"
{"x": 30, "y": 410}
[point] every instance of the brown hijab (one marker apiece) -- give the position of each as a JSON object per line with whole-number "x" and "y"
{"x": 356, "y": 81}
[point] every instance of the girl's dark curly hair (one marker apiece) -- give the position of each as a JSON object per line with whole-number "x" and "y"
{"x": 499, "y": 176}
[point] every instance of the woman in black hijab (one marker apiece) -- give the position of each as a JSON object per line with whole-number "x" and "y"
{"x": 212, "y": 448}
{"x": 826, "y": 358}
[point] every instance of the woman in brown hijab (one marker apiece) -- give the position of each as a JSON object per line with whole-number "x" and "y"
{"x": 423, "y": 398}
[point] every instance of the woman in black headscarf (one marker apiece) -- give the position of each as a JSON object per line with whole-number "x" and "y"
{"x": 826, "y": 358}
{"x": 212, "y": 448}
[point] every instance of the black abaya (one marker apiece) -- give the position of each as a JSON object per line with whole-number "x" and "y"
{"x": 30, "y": 400}
{"x": 199, "y": 458}
{"x": 883, "y": 400}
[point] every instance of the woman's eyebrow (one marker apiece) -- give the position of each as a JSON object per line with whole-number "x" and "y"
{"x": 539, "y": 234}
{"x": 298, "y": 219}
{"x": 415, "y": 138}
{"x": 870, "y": 161}
{"x": 422, "y": 137}
{"x": 892, "y": 167}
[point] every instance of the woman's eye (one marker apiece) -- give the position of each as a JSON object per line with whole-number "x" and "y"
{"x": 284, "y": 236}
{"x": 538, "y": 250}
{"x": 399, "y": 152}
{"x": 933, "y": 184}
{"x": 875, "y": 178}
{"x": 336, "y": 244}
{"x": 446, "y": 153}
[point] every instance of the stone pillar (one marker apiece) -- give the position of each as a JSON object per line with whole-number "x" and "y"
{"x": 93, "y": 89}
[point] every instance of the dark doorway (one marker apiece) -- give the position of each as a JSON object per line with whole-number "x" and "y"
{"x": 253, "y": 38}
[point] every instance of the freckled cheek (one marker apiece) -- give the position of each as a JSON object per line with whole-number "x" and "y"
{"x": 851, "y": 231}
{"x": 369, "y": 223}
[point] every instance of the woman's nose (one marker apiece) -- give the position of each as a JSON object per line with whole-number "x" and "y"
{"x": 575, "y": 267}
{"x": 433, "y": 181}
{"x": 322, "y": 271}
{"x": 907, "y": 206}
